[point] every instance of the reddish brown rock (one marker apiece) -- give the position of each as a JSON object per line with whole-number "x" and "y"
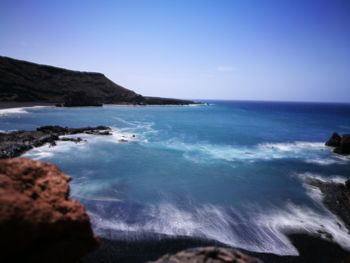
{"x": 208, "y": 255}
{"x": 38, "y": 222}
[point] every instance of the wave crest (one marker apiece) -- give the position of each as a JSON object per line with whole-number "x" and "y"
{"x": 254, "y": 230}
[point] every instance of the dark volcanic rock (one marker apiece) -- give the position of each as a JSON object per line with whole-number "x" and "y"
{"x": 341, "y": 143}
{"x": 208, "y": 255}
{"x": 80, "y": 98}
{"x": 336, "y": 197}
{"x": 23, "y": 81}
{"x": 344, "y": 147}
{"x": 13, "y": 144}
{"x": 166, "y": 101}
{"x": 38, "y": 222}
{"x": 334, "y": 140}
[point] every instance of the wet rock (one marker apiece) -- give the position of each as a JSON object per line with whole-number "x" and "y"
{"x": 76, "y": 140}
{"x": 334, "y": 140}
{"x": 13, "y": 144}
{"x": 38, "y": 221}
{"x": 344, "y": 147}
{"x": 341, "y": 143}
{"x": 208, "y": 255}
{"x": 336, "y": 197}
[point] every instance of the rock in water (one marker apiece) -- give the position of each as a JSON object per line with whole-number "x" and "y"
{"x": 13, "y": 144}
{"x": 341, "y": 143}
{"x": 334, "y": 140}
{"x": 344, "y": 147}
{"x": 208, "y": 255}
{"x": 38, "y": 221}
{"x": 336, "y": 197}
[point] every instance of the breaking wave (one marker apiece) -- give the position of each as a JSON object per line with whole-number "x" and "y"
{"x": 309, "y": 152}
{"x": 22, "y": 110}
{"x": 254, "y": 230}
{"x": 88, "y": 140}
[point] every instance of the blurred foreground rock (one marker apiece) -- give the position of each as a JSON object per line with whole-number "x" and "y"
{"x": 38, "y": 221}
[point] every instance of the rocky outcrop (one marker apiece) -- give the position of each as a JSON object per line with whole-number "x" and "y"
{"x": 334, "y": 140}
{"x": 13, "y": 144}
{"x": 341, "y": 144}
{"x": 38, "y": 221}
{"x": 23, "y": 81}
{"x": 336, "y": 197}
{"x": 208, "y": 255}
{"x": 344, "y": 147}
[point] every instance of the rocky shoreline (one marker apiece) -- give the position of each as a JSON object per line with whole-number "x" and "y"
{"x": 14, "y": 144}
{"x": 336, "y": 197}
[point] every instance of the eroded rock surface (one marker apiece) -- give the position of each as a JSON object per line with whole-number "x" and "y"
{"x": 38, "y": 221}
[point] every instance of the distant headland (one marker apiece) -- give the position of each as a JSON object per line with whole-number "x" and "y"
{"x": 24, "y": 82}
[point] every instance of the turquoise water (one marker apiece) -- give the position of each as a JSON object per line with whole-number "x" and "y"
{"x": 232, "y": 171}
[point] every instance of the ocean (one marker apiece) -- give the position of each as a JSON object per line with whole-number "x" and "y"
{"x": 230, "y": 171}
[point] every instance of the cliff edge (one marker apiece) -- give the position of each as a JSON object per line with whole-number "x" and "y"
{"x": 22, "y": 81}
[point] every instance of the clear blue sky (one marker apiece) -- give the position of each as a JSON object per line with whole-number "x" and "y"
{"x": 256, "y": 50}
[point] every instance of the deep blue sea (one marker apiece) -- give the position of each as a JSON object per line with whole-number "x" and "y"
{"x": 231, "y": 171}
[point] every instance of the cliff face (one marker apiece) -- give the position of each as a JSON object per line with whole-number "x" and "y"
{"x": 23, "y": 81}
{"x": 38, "y": 222}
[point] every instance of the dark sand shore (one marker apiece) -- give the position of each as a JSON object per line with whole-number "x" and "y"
{"x": 311, "y": 249}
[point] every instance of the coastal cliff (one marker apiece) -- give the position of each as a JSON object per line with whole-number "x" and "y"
{"x": 22, "y": 81}
{"x": 38, "y": 221}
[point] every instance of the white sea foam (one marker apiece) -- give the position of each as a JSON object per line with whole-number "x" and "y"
{"x": 256, "y": 230}
{"x": 5, "y": 112}
{"x": 22, "y": 110}
{"x": 47, "y": 151}
{"x": 321, "y": 161}
{"x": 331, "y": 179}
{"x": 310, "y": 152}
{"x": 314, "y": 192}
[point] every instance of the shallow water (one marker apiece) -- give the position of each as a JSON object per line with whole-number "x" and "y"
{"x": 231, "y": 171}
